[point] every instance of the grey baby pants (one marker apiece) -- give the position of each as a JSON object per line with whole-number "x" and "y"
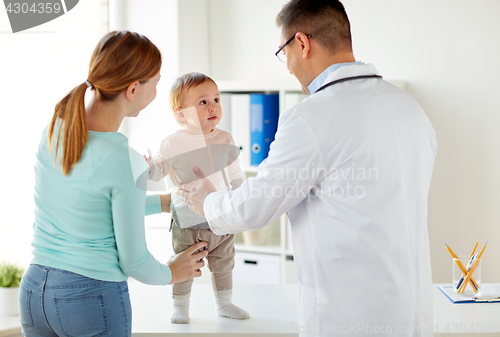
{"x": 220, "y": 258}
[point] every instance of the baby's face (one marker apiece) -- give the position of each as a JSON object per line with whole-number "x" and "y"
{"x": 206, "y": 99}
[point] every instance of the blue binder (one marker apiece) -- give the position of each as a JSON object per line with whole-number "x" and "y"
{"x": 264, "y": 113}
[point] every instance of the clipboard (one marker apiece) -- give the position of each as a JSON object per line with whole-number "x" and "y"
{"x": 490, "y": 293}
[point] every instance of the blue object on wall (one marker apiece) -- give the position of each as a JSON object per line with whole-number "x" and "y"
{"x": 264, "y": 114}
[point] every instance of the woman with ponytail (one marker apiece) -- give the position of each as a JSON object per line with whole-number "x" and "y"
{"x": 91, "y": 202}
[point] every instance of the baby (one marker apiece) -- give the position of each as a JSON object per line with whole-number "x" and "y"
{"x": 195, "y": 101}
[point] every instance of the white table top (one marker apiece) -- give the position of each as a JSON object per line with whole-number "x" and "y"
{"x": 466, "y": 317}
{"x": 273, "y": 308}
{"x": 9, "y": 326}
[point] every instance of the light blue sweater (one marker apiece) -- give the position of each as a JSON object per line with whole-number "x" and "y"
{"x": 91, "y": 221}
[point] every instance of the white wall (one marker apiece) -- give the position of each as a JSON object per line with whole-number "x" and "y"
{"x": 447, "y": 52}
{"x": 244, "y": 39}
{"x": 194, "y": 37}
{"x": 231, "y": 39}
{"x": 158, "y": 20}
{"x": 38, "y": 67}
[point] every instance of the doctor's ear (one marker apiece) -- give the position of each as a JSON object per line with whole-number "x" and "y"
{"x": 304, "y": 43}
{"x": 179, "y": 114}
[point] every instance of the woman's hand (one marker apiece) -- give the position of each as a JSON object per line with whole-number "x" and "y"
{"x": 195, "y": 193}
{"x": 187, "y": 264}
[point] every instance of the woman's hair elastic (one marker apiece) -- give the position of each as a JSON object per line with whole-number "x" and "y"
{"x": 88, "y": 83}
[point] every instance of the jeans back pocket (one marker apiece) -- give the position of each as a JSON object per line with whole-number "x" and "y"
{"x": 82, "y": 316}
{"x": 25, "y": 315}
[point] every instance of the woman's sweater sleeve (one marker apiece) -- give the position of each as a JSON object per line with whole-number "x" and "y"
{"x": 153, "y": 204}
{"x": 120, "y": 178}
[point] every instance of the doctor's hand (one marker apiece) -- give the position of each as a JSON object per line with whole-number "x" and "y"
{"x": 188, "y": 263}
{"x": 195, "y": 193}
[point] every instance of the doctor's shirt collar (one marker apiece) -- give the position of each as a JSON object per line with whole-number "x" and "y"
{"x": 320, "y": 79}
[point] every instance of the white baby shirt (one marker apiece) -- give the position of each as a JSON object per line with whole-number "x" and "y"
{"x": 214, "y": 153}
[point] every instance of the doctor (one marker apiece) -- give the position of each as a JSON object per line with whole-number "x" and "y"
{"x": 352, "y": 166}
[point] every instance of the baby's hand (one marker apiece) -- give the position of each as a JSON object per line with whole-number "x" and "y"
{"x": 148, "y": 160}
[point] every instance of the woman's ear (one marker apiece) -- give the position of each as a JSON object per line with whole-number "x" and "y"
{"x": 179, "y": 114}
{"x": 131, "y": 90}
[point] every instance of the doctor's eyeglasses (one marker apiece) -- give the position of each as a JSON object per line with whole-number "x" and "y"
{"x": 280, "y": 54}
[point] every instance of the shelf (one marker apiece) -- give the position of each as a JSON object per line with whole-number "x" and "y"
{"x": 276, "y": 86}
{"x": 251, "y": 169}
{"x": 258, "y": 86}
{"x": 271, "y": 239}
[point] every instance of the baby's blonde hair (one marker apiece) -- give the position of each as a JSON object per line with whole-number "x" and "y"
{"x": 180, "y": 87}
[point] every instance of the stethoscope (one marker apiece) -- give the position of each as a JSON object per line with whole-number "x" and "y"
{"x": 347, "y": 79}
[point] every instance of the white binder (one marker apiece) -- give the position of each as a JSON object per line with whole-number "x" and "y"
{"x": 225, "y": 122}
{"x": 240, "y": 125}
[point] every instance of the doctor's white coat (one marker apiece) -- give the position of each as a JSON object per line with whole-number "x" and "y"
{"x": 352, "y": 166}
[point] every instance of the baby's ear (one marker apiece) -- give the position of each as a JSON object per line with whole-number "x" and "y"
{"x": 179, "y": 114}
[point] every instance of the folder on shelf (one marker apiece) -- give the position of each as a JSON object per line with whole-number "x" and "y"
{"x": 264, "y": 114}
{"x": 240, "y": 125}
{"x": 490, "y": 292}
{"x": 225, "y": 103}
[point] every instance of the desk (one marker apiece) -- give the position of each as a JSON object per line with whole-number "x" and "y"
{"x": 152, "y": 305}
{"x": 272, "y": 309}
{"x": 452, "y": 319}
{"x": 275, "y": 318}
{"x": 10, "y": 326}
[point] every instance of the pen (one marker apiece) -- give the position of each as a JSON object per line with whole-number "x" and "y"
{"x": 469, "y": 265}
{"x": 461, "y": 266}
{"x": 469, "y": 274}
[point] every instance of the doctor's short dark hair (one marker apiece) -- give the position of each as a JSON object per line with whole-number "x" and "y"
{"x": 325, "y": 20}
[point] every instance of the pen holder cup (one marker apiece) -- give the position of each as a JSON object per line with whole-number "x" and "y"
{"x": 459, "y": 277}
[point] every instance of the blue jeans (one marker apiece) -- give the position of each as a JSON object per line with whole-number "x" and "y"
{"x": 56, "y": 302}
